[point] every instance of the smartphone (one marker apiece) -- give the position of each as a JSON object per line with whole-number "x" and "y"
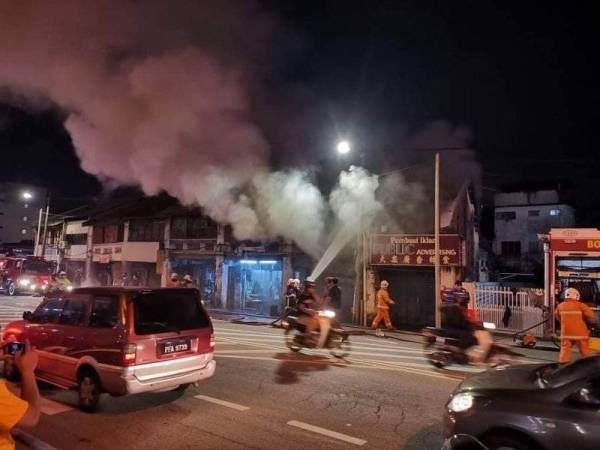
{"x": 14, "y": 347}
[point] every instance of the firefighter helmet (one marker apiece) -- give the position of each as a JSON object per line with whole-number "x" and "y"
{"x": 572, "y": 293}
{"x": 384, "y": 284}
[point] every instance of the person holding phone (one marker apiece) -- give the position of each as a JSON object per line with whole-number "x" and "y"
{"x": 15, "y": 411}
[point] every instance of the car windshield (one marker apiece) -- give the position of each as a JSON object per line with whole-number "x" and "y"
{"x": 557, "y": 375}
{"x": 164, "y": 311}
{"x": 37, "y": 267}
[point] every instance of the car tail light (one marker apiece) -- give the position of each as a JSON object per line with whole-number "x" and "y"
{"x": 129, "y": 354}
{"x": 212, "y": 340}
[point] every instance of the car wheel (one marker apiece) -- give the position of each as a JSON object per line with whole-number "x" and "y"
{"x": 508, "y": 441}
{"x": 12, "y": 289}
{"x": 88, "y": 390}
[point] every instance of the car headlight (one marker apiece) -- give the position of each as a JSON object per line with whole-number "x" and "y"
{"x": 69, "y": 288}
{"x": 24, "y": 282}
{"x": 461, "y": 402}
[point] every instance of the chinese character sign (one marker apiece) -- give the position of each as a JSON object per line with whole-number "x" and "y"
{"x": 414, "y": 250}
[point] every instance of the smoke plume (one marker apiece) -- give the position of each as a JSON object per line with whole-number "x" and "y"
{"x": 157, "y": 95}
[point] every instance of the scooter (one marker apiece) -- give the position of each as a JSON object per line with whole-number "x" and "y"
{"x": 443, "y": 349}
{"x": 331, "y": 336}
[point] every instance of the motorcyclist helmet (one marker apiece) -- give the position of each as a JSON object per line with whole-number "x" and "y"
{"x": 62, "y": 273}
{"x": 174, "y": 276}
{"x": 187, "y": 278}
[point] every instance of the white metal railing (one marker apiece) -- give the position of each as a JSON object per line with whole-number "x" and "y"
{"x": 510, "y": 309}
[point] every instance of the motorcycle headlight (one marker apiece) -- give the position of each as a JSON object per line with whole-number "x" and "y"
{"x": 327, "y": 313}
{"x": 24, "y": 282}
{"x": 69, "y": 288}
{"x": 461, "y": 402}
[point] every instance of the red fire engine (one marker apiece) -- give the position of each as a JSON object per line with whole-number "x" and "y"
{"x": 25, "y": 274}
{"x": 572, "y": 259}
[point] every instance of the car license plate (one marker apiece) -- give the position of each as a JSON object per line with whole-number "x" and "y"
{"x": 174, "y": 346}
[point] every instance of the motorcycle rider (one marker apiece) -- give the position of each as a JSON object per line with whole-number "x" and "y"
{"x": 457, "y": 324}
{"x": 60, "y": 283}
{"x": 307, "y": 305}
{"x": 572, "y": 315}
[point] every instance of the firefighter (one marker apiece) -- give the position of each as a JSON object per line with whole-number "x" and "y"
{"x": 383, "y": 306}
{"x": 188, "y": 282}
{"x": 173, "y": 280}
{"x": 572, "y": 315}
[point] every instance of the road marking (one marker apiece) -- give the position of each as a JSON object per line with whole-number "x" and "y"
{"x": 217, "y": 401}
{"x": 328, "y": 433}
{"x": 51, "y": 408}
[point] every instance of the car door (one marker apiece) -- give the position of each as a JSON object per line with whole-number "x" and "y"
{"x": 585, "y": 415}
{"x": 106, "y": 332}
{"x": 71, "y": 344}
{"x": 43, "y": 332}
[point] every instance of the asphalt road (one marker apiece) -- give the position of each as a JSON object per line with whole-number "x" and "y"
{"x": 383, "y": 396}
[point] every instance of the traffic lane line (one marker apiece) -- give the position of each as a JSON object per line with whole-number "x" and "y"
{"x": 329, "y": 433}
{"x": 51, "y": 408}
{"x": 220, "y": 402}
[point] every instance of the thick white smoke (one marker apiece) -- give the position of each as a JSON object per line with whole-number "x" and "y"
{"x": 156, "y": 96}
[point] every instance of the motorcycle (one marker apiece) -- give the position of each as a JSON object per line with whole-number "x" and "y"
{"x": 331, "y": 336}
{"x": 443, "y": 349}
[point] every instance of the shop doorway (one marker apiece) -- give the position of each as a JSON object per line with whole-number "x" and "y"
{"x": 254, "y": 286}
{"x": 413, "y": 290}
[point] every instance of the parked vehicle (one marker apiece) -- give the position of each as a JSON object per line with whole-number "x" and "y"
{"x": 29, "y": 275}
{"x": 442, "y": 349}
{"x": 336, "y": 341}
{"x": 529, "y": 407}
{"x": 118, "y": 340}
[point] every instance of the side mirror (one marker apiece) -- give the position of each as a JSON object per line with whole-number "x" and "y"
{"x": 27, "y": 315}
{"x": 587, "y": 397}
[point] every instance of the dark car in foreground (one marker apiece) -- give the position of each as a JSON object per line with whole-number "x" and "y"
{"x": 529, "y": 407}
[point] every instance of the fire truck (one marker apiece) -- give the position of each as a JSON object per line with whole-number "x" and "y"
{"x": 30, "y": 275}
{"x": 571, "y": 259}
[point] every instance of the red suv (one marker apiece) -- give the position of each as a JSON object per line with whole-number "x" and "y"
{"x": 119, "y": 341}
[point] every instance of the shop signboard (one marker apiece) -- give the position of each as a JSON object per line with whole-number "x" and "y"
{"x": 414, "y": 250}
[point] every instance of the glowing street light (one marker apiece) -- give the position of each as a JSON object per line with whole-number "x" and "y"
{"x": 27, "y": 195}
{"x": 343, "y": 147}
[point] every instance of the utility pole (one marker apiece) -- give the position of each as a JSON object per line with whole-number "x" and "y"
{"x": 37, "y": 235}
{"x": 438, "y": 318}
{"x": 43, "y": 255}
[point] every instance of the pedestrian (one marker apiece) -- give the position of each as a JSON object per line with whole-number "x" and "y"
{"x": 125, "y": 279}
{"x": 188, "y": 282}
{"x": 333, "y": 295}
{"x": 173, "y": 280}
{"x": 383, "y": 306}
{"x": 572, "y": 315}
{"x": 23, "y": 411}
{"x": 292, "y": 292}
{"x": 135, "y": 279}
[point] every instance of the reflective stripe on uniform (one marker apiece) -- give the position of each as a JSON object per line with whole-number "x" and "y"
{"x": 570, "y": 312}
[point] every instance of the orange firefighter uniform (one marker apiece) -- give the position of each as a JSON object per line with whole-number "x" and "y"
{"x": 383, "y": 308}
{"x": 573, "y": 315}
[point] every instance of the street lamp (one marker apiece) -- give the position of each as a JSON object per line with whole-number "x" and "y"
{"x": 343, "y": 147}
{"x": 27, "y": 195}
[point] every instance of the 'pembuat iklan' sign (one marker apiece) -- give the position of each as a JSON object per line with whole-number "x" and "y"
{"x": 414, "y": 250}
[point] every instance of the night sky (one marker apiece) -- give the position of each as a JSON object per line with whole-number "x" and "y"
{"x": 521, "y": 75}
